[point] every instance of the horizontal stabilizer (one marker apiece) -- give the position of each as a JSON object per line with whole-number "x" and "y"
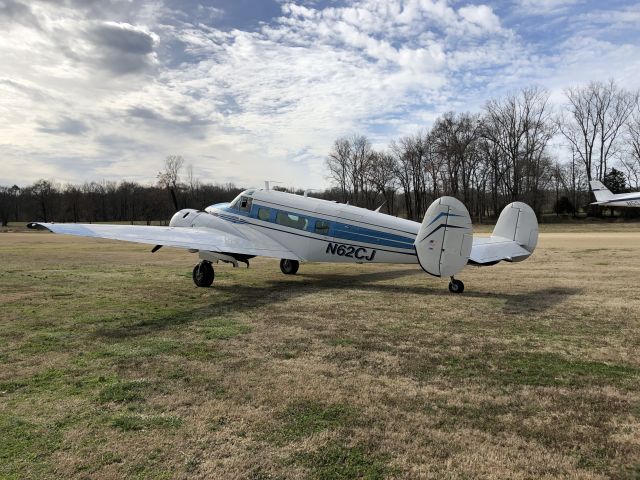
{"x": 495, "y": 249}
{"x": 514, "y": 237}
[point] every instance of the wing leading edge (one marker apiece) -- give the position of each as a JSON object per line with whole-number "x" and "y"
{"x": 254, "y": 243}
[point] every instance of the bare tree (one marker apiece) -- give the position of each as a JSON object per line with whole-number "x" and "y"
{"x": 595, "y": 115}
{"x": 43, "y": 191}
{"x": 454, "y": 137}
{"x": 360, "y": 158}
{"x": 72, "y": 198}
{"x": 382, "y": 176}
{"x": 348, "y": 164}
{"x": 615, "y": 106}
{"x": 411, "y": 160}
{"x": 339, "y": 166}
{"x": 520, "y": 126}
{"x": 579, "y": 123}
{"x": 14, "y": 195}
{"x": 631, "y": 162}
{"x": 540, "y": 128}
{"x": 5, "y": 205}
{"x": 504, "y": 127}
{"x": 170, "y": 176}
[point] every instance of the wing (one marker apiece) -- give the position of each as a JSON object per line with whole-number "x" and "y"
{"x": 251, "y": 243}
{"x": 488, "y": 250}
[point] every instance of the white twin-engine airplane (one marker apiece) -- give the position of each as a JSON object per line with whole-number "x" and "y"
{"x": 605, "y": 198}
{"x": 295, "y": 228}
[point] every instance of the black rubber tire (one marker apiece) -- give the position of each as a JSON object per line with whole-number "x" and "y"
{"x": 289, "y": 267}
{"x": 203, "y": 274}
{"x": 456, "y": 286}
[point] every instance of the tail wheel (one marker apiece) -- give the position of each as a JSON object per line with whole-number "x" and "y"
{"x": 289, "y": 267}
{"x": 456, "y": 286}
{"x": 203, "y": 274}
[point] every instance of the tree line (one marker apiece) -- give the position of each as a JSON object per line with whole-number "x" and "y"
{"x": 500, "y": 155}
{"x": 107, "y": 201}
{"x": 487, "y": 159}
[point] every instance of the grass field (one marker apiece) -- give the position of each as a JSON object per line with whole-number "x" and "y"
{"x": 113, "y": 364}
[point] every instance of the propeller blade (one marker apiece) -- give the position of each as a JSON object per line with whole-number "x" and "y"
{"x": 174, "y": 198}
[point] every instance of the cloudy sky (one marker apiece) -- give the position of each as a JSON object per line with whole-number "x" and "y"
{"x": 248, "y": 90}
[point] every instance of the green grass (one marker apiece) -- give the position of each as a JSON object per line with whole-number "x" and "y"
{"x": 25, "y": 447}
{"x": 515, "y": 368}
{"x": 307, "y": 417}
{"x": 128, "y": 422}
{"x": 338, "y": 462}
{"x": 123, "y": 392}
{"x": 222, "y": 329}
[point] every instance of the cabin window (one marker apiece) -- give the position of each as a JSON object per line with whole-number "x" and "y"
{"x": 264, "y": 214}
{"x": 292, "y": 220}
{"x": 245, "y": 204}
{"x": 322, "y": 227}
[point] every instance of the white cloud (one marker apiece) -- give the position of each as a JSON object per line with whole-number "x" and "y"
{"x": 107, "y": 89}
{"x": 482, "y": 16}
{"x": 546, "y": 7}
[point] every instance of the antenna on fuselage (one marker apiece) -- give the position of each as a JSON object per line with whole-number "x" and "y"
{"x": 381, "y": 205}
{"x": 267, "y": 184}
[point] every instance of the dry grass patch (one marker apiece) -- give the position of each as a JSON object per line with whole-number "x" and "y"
{"x": 115, "y": 365}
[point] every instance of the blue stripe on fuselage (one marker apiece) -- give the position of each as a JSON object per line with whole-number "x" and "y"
{"x": 351, "y": 232}
{"x": 341, "y": 231}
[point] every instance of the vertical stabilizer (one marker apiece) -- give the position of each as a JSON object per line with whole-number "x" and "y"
{"x": 601, "y": 192}
{"x": 443, "y": 244}
{"x": 518, "y": 223}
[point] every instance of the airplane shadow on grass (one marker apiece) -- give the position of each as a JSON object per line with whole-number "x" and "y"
{"x": 245, "y": 297}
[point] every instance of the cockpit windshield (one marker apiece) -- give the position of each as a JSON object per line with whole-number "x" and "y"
{"x": 243, "y": 201}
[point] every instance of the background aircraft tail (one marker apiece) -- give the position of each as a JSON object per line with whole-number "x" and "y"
{"x": 601, "y": 192}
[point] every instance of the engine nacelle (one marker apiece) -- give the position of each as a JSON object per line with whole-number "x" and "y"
{"x": 190, "y": 218}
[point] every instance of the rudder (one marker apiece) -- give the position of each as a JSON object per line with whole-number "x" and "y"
{"x": 444, "y": 242}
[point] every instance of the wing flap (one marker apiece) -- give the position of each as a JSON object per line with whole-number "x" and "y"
{"x": 494, "y": 249}
{"x": 181, "y": 237}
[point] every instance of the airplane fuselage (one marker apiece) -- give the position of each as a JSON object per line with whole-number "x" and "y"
{"x": 322, "y": 231}
{"x": 627, "y": 200}
{"x": 605, "y": 198}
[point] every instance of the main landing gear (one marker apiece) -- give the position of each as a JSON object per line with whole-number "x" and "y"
{"x": 203, "y": 274}
{"x": 456, "y": 286}
{"x": 289, "y": 267}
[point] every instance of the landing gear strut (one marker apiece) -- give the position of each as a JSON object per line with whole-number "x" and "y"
{"x": 289, "y": 267}
{"x": 456, "y": 286}
{"x": 203, "y": 274}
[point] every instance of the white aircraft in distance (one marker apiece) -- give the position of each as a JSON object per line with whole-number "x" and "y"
{"x": 605, "y": 198}
{"x": 296, "y": 228}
